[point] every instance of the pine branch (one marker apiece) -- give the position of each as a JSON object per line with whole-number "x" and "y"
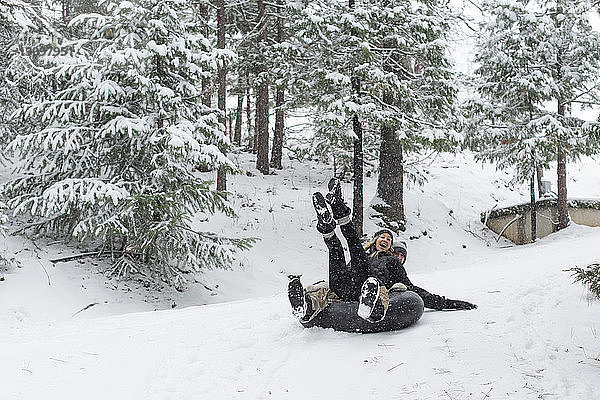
{"x": 93, "y": 254}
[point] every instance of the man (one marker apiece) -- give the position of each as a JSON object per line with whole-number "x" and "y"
{"x": 399, "y": 251}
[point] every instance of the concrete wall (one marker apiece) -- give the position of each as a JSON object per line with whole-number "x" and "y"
{"x": 519, "y": 231}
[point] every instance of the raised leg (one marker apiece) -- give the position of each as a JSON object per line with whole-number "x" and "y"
{"x": 341, "y": 276}
{"x": 359, "y": 260}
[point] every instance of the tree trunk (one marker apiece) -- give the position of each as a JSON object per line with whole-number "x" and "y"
{"x": 66, "y": 11}
{"x": 262, "y": 100}
{"x": 277, "y": 151}
{"x": 207, "y": 89}
{"x": 561, "y": 169}
{"x": 262, "y": 127}
{"x": 357, "y": 190}
{"x": 390, "y": 185}
{"x": 251, "y": 138}
{"x": 533, "y": 207}
{"x": 540, "y": 175}
{"x": 222, "y": 94}
{"x": 237, "y": 135}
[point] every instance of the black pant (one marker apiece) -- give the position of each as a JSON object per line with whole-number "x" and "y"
{"x": 346, "y": 280}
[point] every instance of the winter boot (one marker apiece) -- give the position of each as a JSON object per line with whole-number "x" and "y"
{"x": 325, "y": 224}
{"x": 373, "y": 301}
{"x": 341, "y": 212}
{"x": 297, "y": 297}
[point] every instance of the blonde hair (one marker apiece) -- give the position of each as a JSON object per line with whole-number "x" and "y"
{"x": 370, "y": 249}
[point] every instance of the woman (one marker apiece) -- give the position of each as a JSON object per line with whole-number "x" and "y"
{"x": 368, "y": 276}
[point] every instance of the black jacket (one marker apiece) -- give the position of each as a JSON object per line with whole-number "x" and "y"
{"x": 389, "y": 270}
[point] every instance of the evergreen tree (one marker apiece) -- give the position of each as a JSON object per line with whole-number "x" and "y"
{"x": 415, "y": 94}
{"x": 18, "y": 20}
{"x": 570, "y": 48}
{"x": 6, "y": 260}
{"x": 280, "y": 83}
{"x": 506, "y": 123}
{"x": 588, "y": 276}
{"x": 397, "y": 52}
{"x": 112, "y": 156}
{"x": 532, "y": 53}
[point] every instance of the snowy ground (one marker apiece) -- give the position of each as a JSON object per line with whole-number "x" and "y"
{"x": 535, "y": 334}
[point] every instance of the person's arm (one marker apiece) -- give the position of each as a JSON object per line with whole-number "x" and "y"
{"x": 430, "y": 300}
{"x": 438, "y": 302}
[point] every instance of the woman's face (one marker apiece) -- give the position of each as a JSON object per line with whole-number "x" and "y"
{"x": 383, "y": 242}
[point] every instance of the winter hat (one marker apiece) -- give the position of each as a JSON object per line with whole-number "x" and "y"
{"x": 382, "y": 231}
{"x": 400, "y": 248}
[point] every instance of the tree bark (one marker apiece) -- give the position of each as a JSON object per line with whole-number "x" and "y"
{"x": 277, "y": 151}
{"x": 540, "y": 175}
{"x": 237, "y": 134}
{"x": 533, "y": 207}
{"x": 561, "y": 169}
{"x": 251, "y": 138}
{"x": 262, "y": 99}
{"x": 357, "y": 189}
{"x": 390, "y": 185}
{"x": 66, "y": 11}
{"x": 222, "y": 93}
{"x": 207, "y": 89}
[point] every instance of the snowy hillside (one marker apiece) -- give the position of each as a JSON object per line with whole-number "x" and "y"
{"x": 534, "y": 335}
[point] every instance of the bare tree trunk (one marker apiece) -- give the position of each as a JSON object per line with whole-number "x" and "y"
{"x": 561, "y": 169}
{"x": 237, "y": 135}
{"x": 251, "y": 134}
{"x": 357, "y": 190}
{"x": 540, "y": 175}
{"x": 262, "y": 127}
{"x": 222, "y": 94}
{"x": 533, "y": 207}
{"x": 230, "y": 126}
{"x": 207, "y": 89}
{"x": 277, "y": 151}
{"x": 262, "y": 100}
{"x": 66, "y": 10}
{"x": 390, "y": 185}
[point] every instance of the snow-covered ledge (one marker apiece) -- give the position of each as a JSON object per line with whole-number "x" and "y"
{"x": 514, "y": 222}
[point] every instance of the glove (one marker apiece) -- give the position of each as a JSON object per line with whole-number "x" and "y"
{"x": 459, "y": 305}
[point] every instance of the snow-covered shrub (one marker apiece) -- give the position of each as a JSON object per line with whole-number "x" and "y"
{"x": 589, "y": 276}
{"x": 115, "y": 140}
{"x": 5, "y": 259}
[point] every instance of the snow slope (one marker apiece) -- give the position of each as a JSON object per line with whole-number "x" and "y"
{"x": 534, "y": 335}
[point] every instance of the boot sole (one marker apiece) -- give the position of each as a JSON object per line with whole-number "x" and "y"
{"x": 296, "y": 297}
{"x": 369, "y": 293}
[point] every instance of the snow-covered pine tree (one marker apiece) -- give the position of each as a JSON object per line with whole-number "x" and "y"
{"x": 415, "y": 91}
{"x": 17, "y": 19}
{"x": 521, "y": 55}
{"x": 6, "y": 260}
{"x": 114, "y": 158}
{"x": 570, "y": 48}
{"x": 511, "y": 84}
{"x": 588, "y": 276}
{"x": 328, "y": 38}
{"x": 398, "y": 52}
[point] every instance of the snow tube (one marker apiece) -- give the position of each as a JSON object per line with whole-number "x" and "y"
{"x": 405, "y": 309}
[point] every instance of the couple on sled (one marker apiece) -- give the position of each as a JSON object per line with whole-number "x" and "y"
{"x": 375, "y": 269}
